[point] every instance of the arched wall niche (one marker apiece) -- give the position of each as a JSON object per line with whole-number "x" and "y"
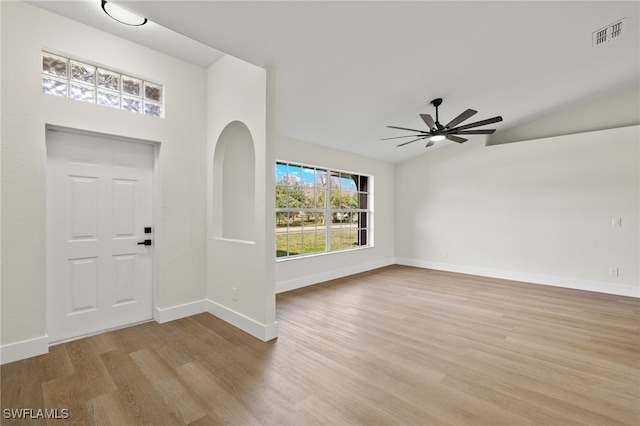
{"x": 234, "y": 184}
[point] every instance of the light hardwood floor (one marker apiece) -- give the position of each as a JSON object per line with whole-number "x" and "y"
{"x": 397, "y": 345}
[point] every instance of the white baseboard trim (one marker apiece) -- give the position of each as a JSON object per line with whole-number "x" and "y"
{"x": 244, "y": 323}
{"x": 289, "y": 285}
{"x": 162, "y": 315}
{"x": 39, "y": 346}
{"x": 264, "y": 332}
{"x": 25, "y": 349}
{"x": 599, "y": 287}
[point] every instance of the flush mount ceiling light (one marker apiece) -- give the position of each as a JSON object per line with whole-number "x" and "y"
{"x": 122, "y": 15}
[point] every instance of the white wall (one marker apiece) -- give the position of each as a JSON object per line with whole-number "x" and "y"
{"x": 294, "y": 273}
{"x": 240, "y": 273}
{"x": 621, "y": 109}
{"x": 181, "y": 182}
{"x": 539, "y": 210}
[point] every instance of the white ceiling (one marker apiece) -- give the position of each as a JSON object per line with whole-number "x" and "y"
{"x": 346, "y": 69}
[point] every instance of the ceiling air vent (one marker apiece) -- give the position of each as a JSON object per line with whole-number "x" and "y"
{"x": 609, "y": 33}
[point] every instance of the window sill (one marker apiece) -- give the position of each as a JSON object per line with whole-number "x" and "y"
{"x": 326, "y": 253}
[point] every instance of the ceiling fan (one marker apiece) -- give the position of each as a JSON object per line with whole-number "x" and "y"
{"x": 438, "y": 132}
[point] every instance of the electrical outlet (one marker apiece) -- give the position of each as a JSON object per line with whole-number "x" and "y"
{"x": 613, "y": 272}
{"x": 234, "y": 293}
{"x": 445, "y": 254}
{"x": 616, "y": 221}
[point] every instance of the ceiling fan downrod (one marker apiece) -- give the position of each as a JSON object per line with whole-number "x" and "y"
{"x": 436, "y": 103}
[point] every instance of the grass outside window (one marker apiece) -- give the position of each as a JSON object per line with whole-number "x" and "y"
{"x": 319, "y": 210}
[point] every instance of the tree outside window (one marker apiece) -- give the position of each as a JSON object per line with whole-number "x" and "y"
{"x": 306, "y": 223}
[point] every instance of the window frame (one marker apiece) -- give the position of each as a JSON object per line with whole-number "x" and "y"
{"x": 333, "y": 234}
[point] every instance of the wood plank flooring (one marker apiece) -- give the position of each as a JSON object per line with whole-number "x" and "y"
{"x": 397, "y": 345}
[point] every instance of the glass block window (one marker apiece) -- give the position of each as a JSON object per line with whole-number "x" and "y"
{"x": 85, "y": 82}
{"x": 320, "y": 210}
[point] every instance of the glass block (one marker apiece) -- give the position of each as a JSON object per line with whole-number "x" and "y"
{"x": 131, "y": 104}
{"x": 108, "y": 79}
{"x": 107, "y": 98}
{"x": 82, "y": 93}
{"x": 54, "y": 86}
{"x": 154, "y": 110}
{"x": 54, "y": 65}
{"x": 153, "y": 92}
{"x": 131, "y": 86}
{"x": 83, "y": 72}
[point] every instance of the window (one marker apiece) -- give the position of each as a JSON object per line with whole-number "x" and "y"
{"x": 320, "y": 210}
{"x": 89, "y": 83}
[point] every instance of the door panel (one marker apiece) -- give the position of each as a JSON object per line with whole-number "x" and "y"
{"x": 99, "y": 200}
{"x": 124, "y": 193}
{"x": 83, "y": 197}
{"x": 124, "y": 278}
{"x": 83, "y": 284}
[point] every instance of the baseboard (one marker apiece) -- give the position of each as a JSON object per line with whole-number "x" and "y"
{"x": 162, "y": 315}
{"x": 244, "y": 323}
{"x": 25, "y": 349}
{"x": 289, "y": 285}
{"x": 263, "y": 332}
{"x": 39, "y": 346}
{"x": 586, "y": 285}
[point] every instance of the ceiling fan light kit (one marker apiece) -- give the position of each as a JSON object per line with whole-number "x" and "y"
{"x": 438, "y": 132}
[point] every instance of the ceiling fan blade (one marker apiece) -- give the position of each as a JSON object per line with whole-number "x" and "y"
{"x": 430, "y": 143}
{"x": 398, "y": 137}
{"x": 428, "y": 120}
{"x": 404, "y": 128}
{"x": 480, "y": 123}
{"x": 405, "y": 143}
{"x": 475, "y": 132}
{"x": 456, "y": 139}
{"x": 462, "y": 117}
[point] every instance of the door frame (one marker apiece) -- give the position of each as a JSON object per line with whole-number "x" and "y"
{"x": 154, "y": 217}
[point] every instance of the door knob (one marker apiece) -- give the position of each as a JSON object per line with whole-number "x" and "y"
{"x": 145, "y": 243}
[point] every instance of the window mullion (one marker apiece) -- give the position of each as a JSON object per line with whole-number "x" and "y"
{"x": 327, "y": 212}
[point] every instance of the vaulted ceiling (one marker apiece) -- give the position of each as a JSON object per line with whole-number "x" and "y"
{"x": 344, "y": 70}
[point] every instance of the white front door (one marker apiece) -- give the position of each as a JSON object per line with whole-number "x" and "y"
{"x": 99, "y": 202}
